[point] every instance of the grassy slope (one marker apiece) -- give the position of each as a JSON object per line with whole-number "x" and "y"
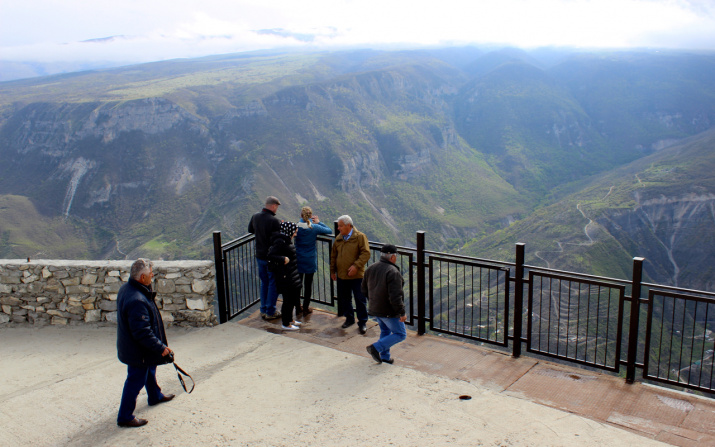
{"x": 556, "y": 234}
{"x": 25, "y": 232}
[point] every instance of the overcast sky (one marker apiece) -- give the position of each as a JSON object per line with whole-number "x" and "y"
{"x": 147, "y": 30}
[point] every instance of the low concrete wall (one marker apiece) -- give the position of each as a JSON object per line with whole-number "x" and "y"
{"x": 76, "y": 292}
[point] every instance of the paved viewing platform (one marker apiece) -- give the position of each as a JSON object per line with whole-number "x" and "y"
{"x": 258, "y": 386}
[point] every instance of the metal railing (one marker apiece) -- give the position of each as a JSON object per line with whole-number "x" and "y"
{"x": 573, "y": 317}
{"x": 578, "y": 320}
{"x": 469, "y": 299}
{"x": 678, "y": 345}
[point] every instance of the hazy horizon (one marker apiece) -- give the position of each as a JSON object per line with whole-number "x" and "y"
{"x": 74, "y": 31}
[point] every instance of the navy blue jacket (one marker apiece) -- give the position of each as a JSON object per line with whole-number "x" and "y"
{"x": 140, "y": 330}
{"x": 305, "y": 245}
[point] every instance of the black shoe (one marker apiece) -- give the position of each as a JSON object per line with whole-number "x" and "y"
{"x": 389, "y": 362}
{"x": 136, "y": 422}
{"x": 347, "y": 324}
{"x": 362, "y": 328}
{"x": 373, "y": 352}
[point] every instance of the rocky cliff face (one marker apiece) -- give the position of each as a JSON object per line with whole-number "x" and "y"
{"x": 54, "y": 129}
{"x": 670, "y": 232}
{"x": 107, "y": 164}
{"x": 402, "y": 141}
{"x": 150, "y": 173}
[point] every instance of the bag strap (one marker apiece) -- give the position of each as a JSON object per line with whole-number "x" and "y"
{"x": 179, "y": 372}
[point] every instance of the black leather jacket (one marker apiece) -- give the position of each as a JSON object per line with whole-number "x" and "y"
{"x": 263, "y": 224}
{"x": 382, "y": 286}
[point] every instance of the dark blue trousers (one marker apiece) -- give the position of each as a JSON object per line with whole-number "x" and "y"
{"x": 138, "y": 378}
{"x": 346, "y": 288}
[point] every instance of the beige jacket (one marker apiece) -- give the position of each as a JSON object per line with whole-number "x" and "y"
{"x": 355, "y": 251}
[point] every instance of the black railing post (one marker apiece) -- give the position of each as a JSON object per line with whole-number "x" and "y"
{"x": 333, "y": 284}
{"x": 633, "y": 326}
{"x": 220, "y": 288}
{"x": 518, "y": 297}
{"x": 421, "y": 267}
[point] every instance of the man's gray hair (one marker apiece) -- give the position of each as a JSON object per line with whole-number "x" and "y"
{"x": 346, "y": 220}
{"x": 140, "y": 266}
{"x": 387, "y": 256}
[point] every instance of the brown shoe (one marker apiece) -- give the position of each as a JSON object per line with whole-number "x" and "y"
{"x": 307, "y": 310}
{"x": 136, "y": 422}
{"x": 166, "y": 398}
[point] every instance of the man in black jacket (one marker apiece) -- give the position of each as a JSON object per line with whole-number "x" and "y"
{"x": 141, "y": 342}
{"x": 382, "y": 285}
{"x": 263, "y": 224}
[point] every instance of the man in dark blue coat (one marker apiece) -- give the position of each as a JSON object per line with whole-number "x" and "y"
{"x": 141, "y": 342}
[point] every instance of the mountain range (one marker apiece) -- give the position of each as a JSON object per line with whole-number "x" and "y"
{"x": 590, "y": 158}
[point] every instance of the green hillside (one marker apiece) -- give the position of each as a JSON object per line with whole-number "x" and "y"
{"x": 41, "y": 237}
{"x": 151, "y": 159}
{"x": 659, "y": 207}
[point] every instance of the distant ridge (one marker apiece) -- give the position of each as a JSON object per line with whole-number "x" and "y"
{"x": 459, "y": 142}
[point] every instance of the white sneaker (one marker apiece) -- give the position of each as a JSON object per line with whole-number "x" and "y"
{"x": 297, "y": 323}
{"x": 289, "y": 328}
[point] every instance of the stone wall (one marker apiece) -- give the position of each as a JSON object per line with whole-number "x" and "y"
{"x": 76, "y": 292}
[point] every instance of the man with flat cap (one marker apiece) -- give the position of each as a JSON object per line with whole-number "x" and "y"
{"x": 382, "y": 285}
{"x": 263, "y": 224}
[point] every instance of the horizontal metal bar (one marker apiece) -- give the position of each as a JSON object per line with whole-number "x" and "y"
{"x": 470, "y": 337}
{"x": 682, "y": 384}
{"x": 470, "y": 263}
{"x": 573, "y": 360}
{"x": 469, "y": 258}
{"x": 677, "y": 292}
{"x": 230, "y": 245}
{"x": 579, "y": 280}
{"x": 580, "y": 275}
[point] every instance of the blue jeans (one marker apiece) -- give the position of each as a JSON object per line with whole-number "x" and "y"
{"x": 269, "y": 294}
{"x": 137, "y": 378}
{"x": 346, "y": 288}
{"x": 392, "y": 331}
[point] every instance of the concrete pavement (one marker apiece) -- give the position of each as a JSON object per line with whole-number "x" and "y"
{"x": 257, "y": 387}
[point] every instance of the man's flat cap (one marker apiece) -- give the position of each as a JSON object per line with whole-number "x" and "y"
{"x": 272, "y": 200}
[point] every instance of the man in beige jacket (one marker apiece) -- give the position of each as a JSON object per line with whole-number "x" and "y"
{"x": 348, "y": 257}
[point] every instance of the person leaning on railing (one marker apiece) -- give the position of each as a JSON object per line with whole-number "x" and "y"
{"x": 282, "y": 261}
{"x": 263, "y": 224}
{"x": 309, "y": 227}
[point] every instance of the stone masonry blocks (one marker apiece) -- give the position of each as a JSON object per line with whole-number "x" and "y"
{"x": 69, "y": 292}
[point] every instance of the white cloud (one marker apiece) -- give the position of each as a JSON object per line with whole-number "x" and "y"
{"x": 45, "y": 30}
